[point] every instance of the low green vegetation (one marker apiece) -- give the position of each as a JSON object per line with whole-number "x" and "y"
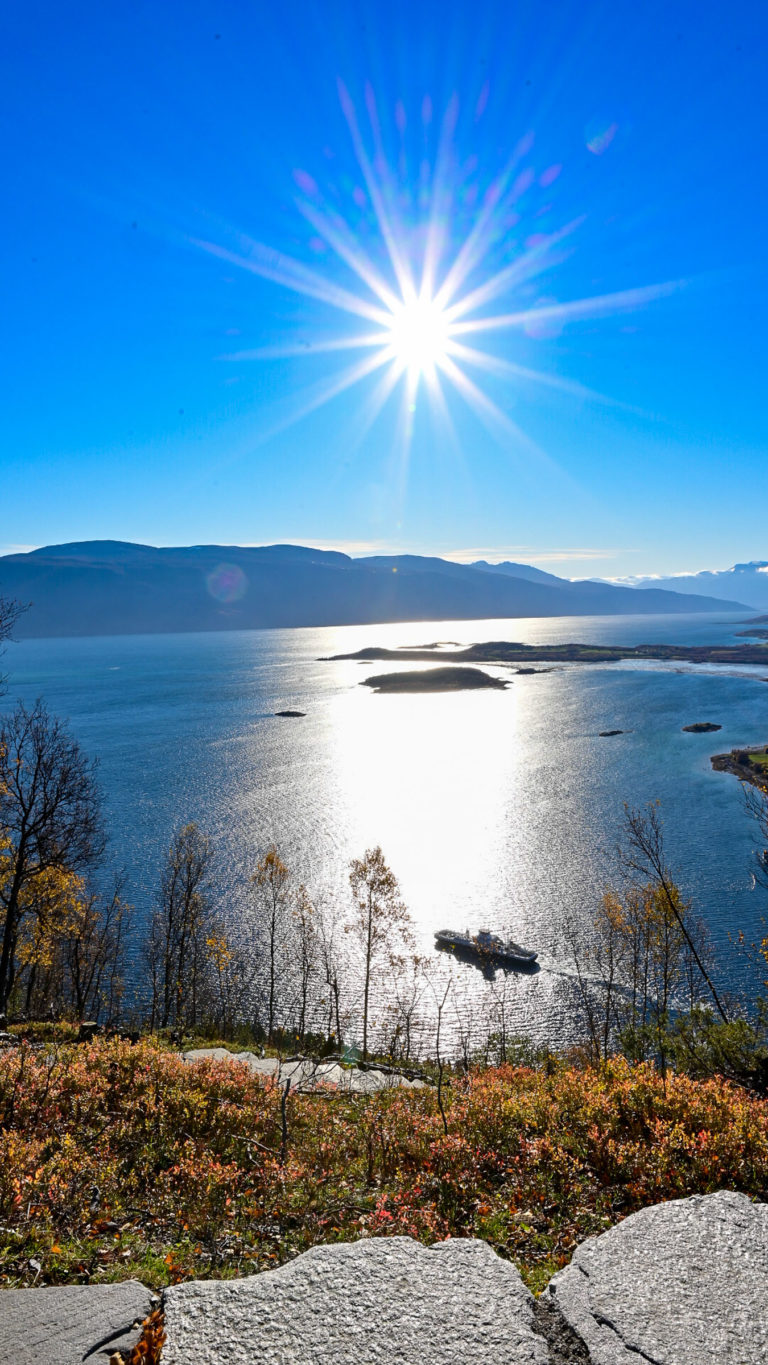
{"x": 120, "y": 1160}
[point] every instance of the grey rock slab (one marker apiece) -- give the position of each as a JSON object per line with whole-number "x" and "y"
{"x": 71, "y": 1324}
{"x": 682, "y": 1283}
{"x": 380, "y": 1301}
{"x": 213, "y": 1054}
{"x": 308, "y": 1074}
{"x": 369, "y": 1082}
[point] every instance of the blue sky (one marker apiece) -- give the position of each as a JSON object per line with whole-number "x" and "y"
{"x": 166, "y": 170}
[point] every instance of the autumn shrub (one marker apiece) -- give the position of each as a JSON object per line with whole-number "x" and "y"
{"x": 120, "y": 1159}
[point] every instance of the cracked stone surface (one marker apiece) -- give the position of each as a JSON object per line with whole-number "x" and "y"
{"x": 71, "y": 1325}
{"x": 682, "y": 1283}
{"x": 565, "y": 1346}
{"x": 380, "y": 1301}
{"x": 306, "y": 1073}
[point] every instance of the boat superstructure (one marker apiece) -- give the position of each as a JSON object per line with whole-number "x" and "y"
{"x": 486, "y": 947}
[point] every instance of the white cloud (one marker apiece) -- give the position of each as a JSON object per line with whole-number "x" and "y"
{"x": 527, "y": 554}
{"x": 17, "y": 549}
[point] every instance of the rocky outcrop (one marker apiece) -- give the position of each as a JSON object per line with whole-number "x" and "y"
{"x": 73, "y": 1324}
{"x": 683, "y": 1283}
{"x": 374, "y": 1302}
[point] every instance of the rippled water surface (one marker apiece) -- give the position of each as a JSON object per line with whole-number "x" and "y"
{"x": 499, "y": 807}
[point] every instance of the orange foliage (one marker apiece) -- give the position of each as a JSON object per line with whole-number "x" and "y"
{"x": 187, "y": 1166}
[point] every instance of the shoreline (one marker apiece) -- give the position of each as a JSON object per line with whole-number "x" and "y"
{"x": 756, "y": 776}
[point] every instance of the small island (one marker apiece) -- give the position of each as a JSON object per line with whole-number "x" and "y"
{"x": 606, "y": 734}
{"x": 701, "y": 727}
{"x": 749, "y": 765}
{"x": 434, "y": 680}
{"x": 290, "y": 713}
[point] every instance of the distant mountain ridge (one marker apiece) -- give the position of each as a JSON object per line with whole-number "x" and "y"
{"x": 507, "y": 566}
{"x": 117, "y": 587}
{"x": 748, "y": 582}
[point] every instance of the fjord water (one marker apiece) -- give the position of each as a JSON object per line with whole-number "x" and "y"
{"x": 498, "y": 808}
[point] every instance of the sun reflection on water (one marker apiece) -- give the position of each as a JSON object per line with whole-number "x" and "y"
{"x": 497, "y": 809}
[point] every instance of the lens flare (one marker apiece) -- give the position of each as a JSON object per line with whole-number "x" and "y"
{"x": 226, "y": 583}
{"x": 600, "y": 135}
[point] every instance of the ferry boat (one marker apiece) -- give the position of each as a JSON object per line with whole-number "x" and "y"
{"x": 486, "y": 947}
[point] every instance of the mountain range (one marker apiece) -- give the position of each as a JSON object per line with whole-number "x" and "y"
{"x": 116, "y": 588}
{"x": 748, "y": 582}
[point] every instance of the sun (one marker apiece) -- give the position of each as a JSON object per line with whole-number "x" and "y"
{"x": 418, "y": 334}
{"x": 423, "y": 293}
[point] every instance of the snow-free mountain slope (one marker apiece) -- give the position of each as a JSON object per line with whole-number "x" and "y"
{"x": 747, "y": 582}
{"x": 116, "y": 588}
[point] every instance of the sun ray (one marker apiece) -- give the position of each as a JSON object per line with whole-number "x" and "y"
{"x": 367, "y": 415}
{"x": 399, "y": 266}
{"x": 577, "y": 308}
{"x": 531, "y": 262}
{"x": 273, "y": 265}
{"x": 509, "y": 369}
{"x": 324, "y": 392}
{"x": 337, "y": 236}
{"x": 308, "y": 348}
{"x": 490, "y": 413}
{"x": 405, "y": 440}
{"x": 443, "y": 416}
{"x": 441, "y": 199}
{"x": 384, "y": 387}
{"x": 474, "y": 248}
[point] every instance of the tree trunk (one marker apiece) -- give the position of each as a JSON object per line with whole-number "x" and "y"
{"x": 272, "y": 932}
{"x": 368, "y": 950}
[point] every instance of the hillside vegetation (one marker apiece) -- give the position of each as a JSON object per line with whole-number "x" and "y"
{"x": 121, "y": 1160}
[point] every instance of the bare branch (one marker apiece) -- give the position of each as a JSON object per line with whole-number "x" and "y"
{"x": 645, "y": 856}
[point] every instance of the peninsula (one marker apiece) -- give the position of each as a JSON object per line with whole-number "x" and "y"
{"x": 749, "y": 765}
{"x": 506, "y": 651}
{"x": 434, "y": 680}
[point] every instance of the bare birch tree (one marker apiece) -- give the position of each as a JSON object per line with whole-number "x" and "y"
{"x": 271, "y": 883}
{"x": 178, "y": 950}
{"x": 50, "y": 819}
{"x": 381, "y": 923}
{"x": 331, "y": 964}
{"x": 10, "y": 612}
{"x": 305, "y": 933}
